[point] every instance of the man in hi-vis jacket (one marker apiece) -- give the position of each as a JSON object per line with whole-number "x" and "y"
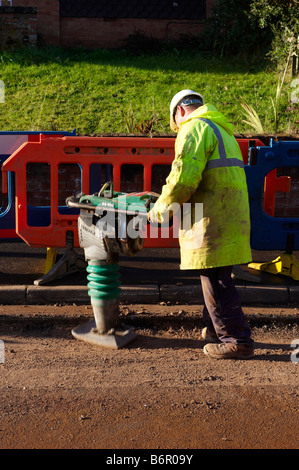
{"x": 208, "y": 170}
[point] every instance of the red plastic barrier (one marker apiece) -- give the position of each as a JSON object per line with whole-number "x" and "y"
{"x": 85, "y": 151}
{"x": 10, "y": 142}
{"x": 274, "y": 183}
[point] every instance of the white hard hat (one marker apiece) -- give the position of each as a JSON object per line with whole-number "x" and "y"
{"x": 179, "y": 99}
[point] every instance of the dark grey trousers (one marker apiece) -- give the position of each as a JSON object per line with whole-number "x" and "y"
{"x": 222, "y": 311}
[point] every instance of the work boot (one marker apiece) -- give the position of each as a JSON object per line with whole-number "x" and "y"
{"x": 229, "y": 351}
{"x": 209, "y": 335}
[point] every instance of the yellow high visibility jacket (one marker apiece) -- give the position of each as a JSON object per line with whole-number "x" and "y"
{"x": 207, "y": 172}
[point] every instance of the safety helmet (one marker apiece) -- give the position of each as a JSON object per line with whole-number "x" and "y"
{"x": 178, "y": 99}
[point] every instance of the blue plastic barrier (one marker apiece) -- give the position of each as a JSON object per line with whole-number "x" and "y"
{"x": 10, "y": 141}
{"x": 271, "y": 233}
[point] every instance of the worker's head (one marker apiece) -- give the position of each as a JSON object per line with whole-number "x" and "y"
{"x": 183, "y": 104}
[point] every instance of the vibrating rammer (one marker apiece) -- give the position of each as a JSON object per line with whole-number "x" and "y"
{"x": 109, "y": 224}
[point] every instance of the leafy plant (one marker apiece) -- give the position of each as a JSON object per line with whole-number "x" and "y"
{"x": 251, "y": 114}
{"x": 253, "y": 119}
{"x": 232, "y": 29}
{"x": 148, "y": 126}
{"x": 275, "y": 102}
{"x": 129, "y": 120}
{"x": 283, "y": 19}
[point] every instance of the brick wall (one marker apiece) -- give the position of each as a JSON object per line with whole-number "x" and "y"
{"x": 287, "y": 204}
{"x": 101, "y": 32}
{"x": 48, "y": 21}
{"x": 18, "y": 26}
{"x": 98, "y": 32}
{"x": 39, "y": 186}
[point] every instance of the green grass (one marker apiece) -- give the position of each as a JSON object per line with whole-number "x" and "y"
{"x": 105, "y": 91}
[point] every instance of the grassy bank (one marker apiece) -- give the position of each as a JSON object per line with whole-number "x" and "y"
{"x": 106, "y": 91}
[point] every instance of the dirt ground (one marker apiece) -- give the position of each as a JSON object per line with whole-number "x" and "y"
{"x": 160, "y": 392}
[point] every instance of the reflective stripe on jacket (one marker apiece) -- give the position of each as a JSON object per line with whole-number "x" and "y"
{"x": 208, "y": 169}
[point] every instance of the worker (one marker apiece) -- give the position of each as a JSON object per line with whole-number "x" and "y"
{"x": 208, "y": 170}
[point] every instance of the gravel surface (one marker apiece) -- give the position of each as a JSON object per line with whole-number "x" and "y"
{"x": 159, "y": 392}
